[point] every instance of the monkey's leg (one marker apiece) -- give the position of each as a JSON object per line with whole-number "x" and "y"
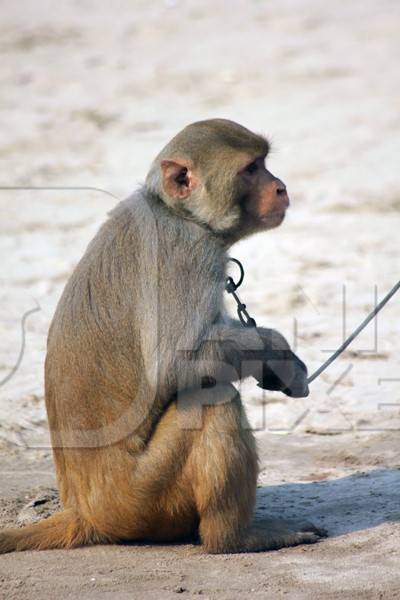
{"x": 198, "y": 457}
{"x": 222, "y": 468}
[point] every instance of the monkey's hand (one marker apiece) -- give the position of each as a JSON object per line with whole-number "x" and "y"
{"x": 295, "y": 387}
{"x": 279, "y": 368}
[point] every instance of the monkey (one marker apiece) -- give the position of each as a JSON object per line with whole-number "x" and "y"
{"x": 149, "y": 434}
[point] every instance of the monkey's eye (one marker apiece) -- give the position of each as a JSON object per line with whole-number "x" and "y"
{"x": 251, "y": 168}
{"x": 181, "y": 178}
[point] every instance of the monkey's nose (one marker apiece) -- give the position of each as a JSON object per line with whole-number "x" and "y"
{"x": 281, "y": 191}
{"x": 281, "y": 188}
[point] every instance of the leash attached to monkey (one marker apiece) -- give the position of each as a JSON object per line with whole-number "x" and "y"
{"x": 247, "y": 321}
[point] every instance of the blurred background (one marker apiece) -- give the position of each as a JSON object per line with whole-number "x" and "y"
{"x": 90, "y": 91}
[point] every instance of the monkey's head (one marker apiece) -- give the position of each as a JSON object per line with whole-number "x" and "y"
{"x": 214, "y": 173}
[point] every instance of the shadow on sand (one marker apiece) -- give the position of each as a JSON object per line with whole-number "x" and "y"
{"x": 352, "y": 503}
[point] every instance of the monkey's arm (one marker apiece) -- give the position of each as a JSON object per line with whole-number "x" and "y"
{"x": 230, "y": 352}
{"x": 275, "y": 366}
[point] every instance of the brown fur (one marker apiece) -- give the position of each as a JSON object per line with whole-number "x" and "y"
{"x": 142, "y": 449}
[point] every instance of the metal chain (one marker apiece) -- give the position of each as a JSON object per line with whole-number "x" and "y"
{"x": 231, "y": 286}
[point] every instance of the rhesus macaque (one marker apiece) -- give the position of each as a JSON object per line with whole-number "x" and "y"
{"x": 150, "y": 437}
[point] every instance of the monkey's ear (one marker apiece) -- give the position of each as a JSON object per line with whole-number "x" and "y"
{"x": 178, "y": 180}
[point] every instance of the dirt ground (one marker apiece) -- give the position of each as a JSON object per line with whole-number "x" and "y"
{"x": 349, "y": 484}
{"x": 90, "y": 91}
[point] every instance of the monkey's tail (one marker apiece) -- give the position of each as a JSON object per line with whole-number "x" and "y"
{"x": 65, "y": 529}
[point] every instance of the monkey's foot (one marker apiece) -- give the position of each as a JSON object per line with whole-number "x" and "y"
{"x": 272, "y": 534}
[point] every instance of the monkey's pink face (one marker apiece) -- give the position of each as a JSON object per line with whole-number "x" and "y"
{"x": 266, "y": 199}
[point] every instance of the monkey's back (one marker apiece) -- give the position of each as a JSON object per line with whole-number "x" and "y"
{"x": 96, "y": 389}
{"x": 121, "y": 322}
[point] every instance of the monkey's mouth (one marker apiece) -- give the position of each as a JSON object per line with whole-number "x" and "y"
{"x": 274, "y": 218}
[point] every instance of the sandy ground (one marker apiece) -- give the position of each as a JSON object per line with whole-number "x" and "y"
{"x": 89, "y": 93}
